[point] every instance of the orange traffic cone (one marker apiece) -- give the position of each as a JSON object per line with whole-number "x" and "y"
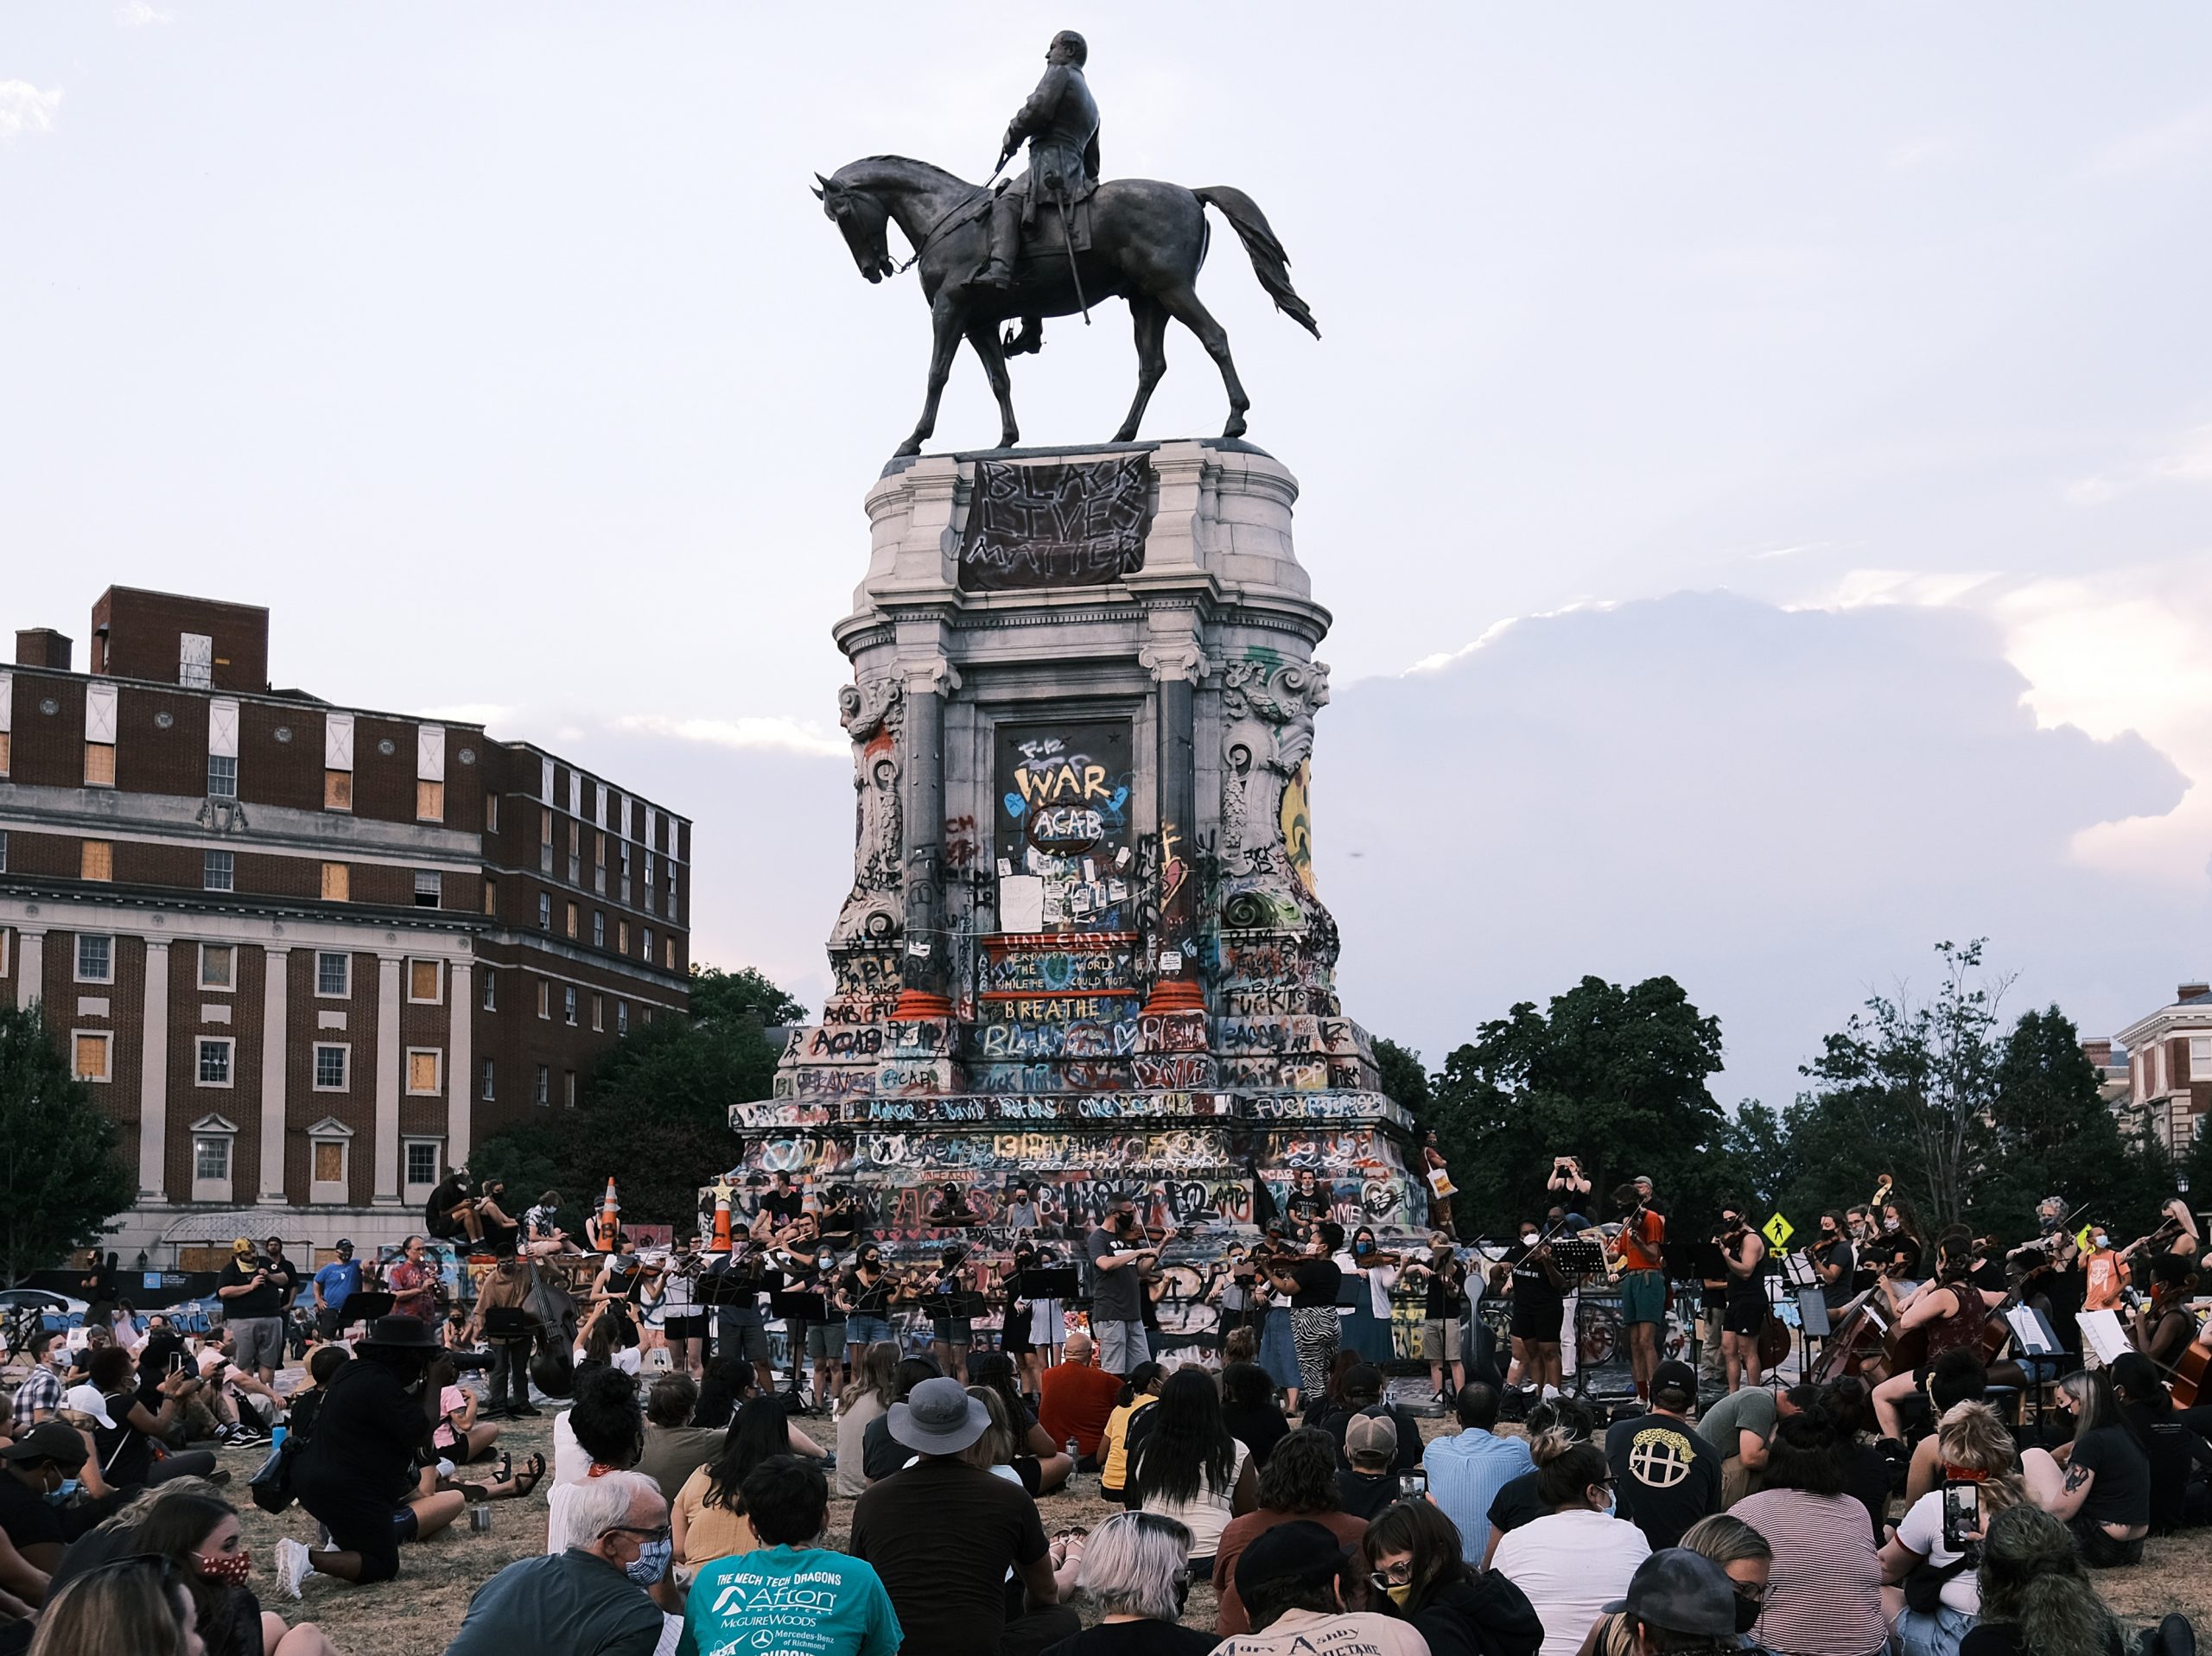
{"x": 722, "y": 1242}
{"x": 609, "y": 1231}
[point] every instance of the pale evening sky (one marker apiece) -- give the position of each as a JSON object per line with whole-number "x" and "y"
{"x": 1760, "y": 460}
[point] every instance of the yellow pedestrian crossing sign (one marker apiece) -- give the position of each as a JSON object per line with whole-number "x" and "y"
{"x": 1778, "y": 1230}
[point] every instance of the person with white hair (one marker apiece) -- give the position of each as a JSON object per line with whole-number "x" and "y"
{"x": 1136, "y": 1572}
{"x": 591, "y": 1598}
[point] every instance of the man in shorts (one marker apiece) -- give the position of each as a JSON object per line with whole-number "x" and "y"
{"x": 741, "y": 1330}
{"x": 252, "y": 1291}
{"x": 1445, "y": 1280}
{"x": 1643, "y": 1281}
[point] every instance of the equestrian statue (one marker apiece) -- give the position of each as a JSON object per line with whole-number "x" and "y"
{"x": 1050, "y": 242}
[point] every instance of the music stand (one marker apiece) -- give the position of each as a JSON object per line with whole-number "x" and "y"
{"x": 505, "y": 1322}
{"x": 365, "y": 1305}
{"x": 1063, "y": 1282}
{"x": 725, "y": 1291}
{"x": 1812, "y": 1324}
{"x": 1578, "y": 1257}
{"x": 798, "y": 1308}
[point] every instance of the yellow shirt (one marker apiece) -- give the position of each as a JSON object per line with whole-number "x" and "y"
{"x": 1113, "y": 1443}
{"x": 709, "y": 1532}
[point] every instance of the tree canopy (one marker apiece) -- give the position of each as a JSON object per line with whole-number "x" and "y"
{"x": 61, "y": 1175}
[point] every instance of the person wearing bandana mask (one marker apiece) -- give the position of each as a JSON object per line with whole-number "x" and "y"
{"x": 601, "y": 1595}
{"x": 1412, "y": 1557}
{"x": 199, "y": 1535}
{"x": 1743, "y": 1556}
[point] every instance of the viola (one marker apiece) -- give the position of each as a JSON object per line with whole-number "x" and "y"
{"x": 2188, "y": 1375}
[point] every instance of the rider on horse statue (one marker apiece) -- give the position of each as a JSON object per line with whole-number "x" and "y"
{"x": 1060, "y": 121}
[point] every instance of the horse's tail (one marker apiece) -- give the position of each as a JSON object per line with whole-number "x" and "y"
{"x": 1269, "y": 263}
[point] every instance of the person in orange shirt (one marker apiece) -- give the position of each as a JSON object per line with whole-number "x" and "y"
{"x": 2104, "y": 1273}
{"x": 1644, "y": 1283}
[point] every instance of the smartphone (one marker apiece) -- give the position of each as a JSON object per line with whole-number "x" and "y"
{"x": 1413, "y": 1485}
{"x": 176, "y": 1363}
{"x": 1961, "y": 1515}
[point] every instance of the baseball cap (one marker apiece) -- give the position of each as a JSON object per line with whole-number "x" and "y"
{"x": 344, "y": 1242}
{"x": 49, "y": 1440}
{"x": 1303, "y": 1552}
{"x": 1363, "y": 1379}
{"x": 241, "y": 1246}
{"x": 86, "y": 1400}
{"x": 1370, "y": 1437}
{"x": 1675, "y": 1376}
{"x": 1682, "y": 1592}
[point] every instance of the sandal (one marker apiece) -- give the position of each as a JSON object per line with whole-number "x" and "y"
{"x": 524, "y": 1478}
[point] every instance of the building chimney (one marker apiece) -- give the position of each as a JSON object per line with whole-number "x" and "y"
{"x": 2186, "y": 992}
{"x": 42, "y": 647}
{"x": 2099, "y": 1053}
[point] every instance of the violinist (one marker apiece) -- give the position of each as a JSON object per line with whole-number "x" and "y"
{"x": 864, "y": 1295}
{"x": 1833, "y": 1260}
{"x": 952, "y": 1328}
{"x": 2165, "y": 1325}
{"x": 2104, "y": 1273}
{"x": 1643, "y": 1282}
{"x": 1445, "y": 1282}
{"x": 2050, "y": 1273}
{"x": 1863, "y": 1231}
{"x": 1120, "y": 1256}
{"x": 1952, "y": 1311}
{"x": 1538, "y": 1288}
{"x": 1901, "y": 1252}
{"x": 740, "y": 1327}
{"x": 1744, "y": 1250}
{"x": 1367, "y": 1325}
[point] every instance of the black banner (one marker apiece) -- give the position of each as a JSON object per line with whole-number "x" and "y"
{"x": 1072, "y": 523}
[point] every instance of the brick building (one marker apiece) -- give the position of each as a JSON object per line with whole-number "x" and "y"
{"x": 306, "y": 954}
{"x": 2170, "y": 1067}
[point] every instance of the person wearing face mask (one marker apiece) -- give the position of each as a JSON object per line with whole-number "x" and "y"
{"x": 2104, "y": 1273}
{"x": 1578, "y": 1557}
{"x": 1537, "y": 1287}
{"x": 594, "y": 1597}
{"x": 1745, "y": 1253}
{"x": 39, "y": 1474}
{"x": 1680, "y": 1601}
{"x": 1365, "y": 1325}
{"x": 39, "y": 1396}
{"x": 200, "y": 1535}
{"x": 1743, "y": 1557}
{"x": 1902, "y": 1249}
{"x": 1412, "y": 1557}
{"x": 1834, "y": 1261}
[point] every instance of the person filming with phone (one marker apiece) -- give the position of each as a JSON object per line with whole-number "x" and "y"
{"x": 1929, "y": 1590}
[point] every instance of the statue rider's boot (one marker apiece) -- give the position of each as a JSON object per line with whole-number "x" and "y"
{"x": 1005, "y": 236}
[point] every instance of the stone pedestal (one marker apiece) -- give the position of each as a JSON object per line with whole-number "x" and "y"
{"x": 1082, "y": 949}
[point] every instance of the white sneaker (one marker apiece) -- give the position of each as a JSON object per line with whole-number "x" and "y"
{"x": 292, "y": 1567}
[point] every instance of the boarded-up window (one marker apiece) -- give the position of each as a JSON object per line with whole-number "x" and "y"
{"x": 329, "y": 1162}
{"x": 215, "y": 963}
{"x": 7, "y": 719}
{"x": 338, "y": 762}
{"x": 92, "y": 1057}
{"x": 429, "y": 801}
{"x": 99, "y": 713}
{"x": 195, "y": 660}
{"x": 223, "y": 728}
{"x": 422, "y": 1071}
{"x": 99, "y": 765}
{"x": 99, "y": 860}
{"x": 337, "y": 882}
{"x": 422, "y": 980}
{"x": 491, "y": 897}
{"x": 572, "y": 919}
{"x": 338, "y": 790}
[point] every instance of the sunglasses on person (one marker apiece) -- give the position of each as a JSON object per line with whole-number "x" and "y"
{"x": 1396, "y": 1575}
{"x": 663, "y": 1533}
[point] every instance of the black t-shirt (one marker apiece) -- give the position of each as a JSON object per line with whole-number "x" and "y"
{"x": 1135, "y": 1638}
{"x": 1365, "y": 1494}
{"x": 1665, "y": 1477}
{"x": 268, "y": 1300}
{"x": 1532, "y": 1290}
{"x": 1446, "y": 1295}
{"x": 942, "y": 1535}
{"x": 1116, "y": 1296}
{"x": 881, "y": 1453}
{"x": 1515, "y": 1503}
{"x": 1317, "y": 1280}
{"x": 365, "y": 1434}
{"x": 1307, "y": 1208}
{"x": 100, "y": 1283}
{"x": 2061, "y": 1293}
{"x": 449, "y": 1194}
{"x": 1259, "y": 1429}
{"x": 1838, "y": 1252}
{"x": 1903, "y": 1251}
{"x": 25, "y": 1517}
{"x": 869, "y": 1300}
{"x": 1989, "y": 1275}
{"x": 126, "y": 1454}
{"x": 783, "y": 1206}
{"x": 2121, "y": 1493}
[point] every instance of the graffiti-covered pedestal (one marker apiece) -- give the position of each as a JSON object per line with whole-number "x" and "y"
{"x": 1082, "y": 951}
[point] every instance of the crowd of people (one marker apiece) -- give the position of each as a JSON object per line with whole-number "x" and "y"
{"x": 688, "y": 1509}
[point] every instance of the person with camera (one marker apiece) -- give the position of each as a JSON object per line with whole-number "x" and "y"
{"x": 1119, "y": 1256}
{"x": 255, "y": 1291}
{"x": 357, "y": 1474}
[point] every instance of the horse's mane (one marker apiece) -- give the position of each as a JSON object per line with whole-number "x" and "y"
{"x": 904, "y": 162}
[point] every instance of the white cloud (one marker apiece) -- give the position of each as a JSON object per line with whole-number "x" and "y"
{"x": 1861, "y": 588}
{"x": 24, "y": 108}
{"x": 1497, "y": 629}
{"x": 1915, "y": 152}
{"x": 788, "y": 734}
{"x": 137, "y": 14}
{"x": 2189, "y": 461}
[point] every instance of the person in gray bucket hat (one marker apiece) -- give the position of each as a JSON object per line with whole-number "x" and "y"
{"x": 943, "y": 1535}
{"x": 939, "y": 1418}
{"x": 1680, "y": 1601}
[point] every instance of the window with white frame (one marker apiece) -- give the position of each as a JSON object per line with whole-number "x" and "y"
{"x": 568, "y": 1090}
{"x": 599, "y": 1011}
{"x": 487, "y": 1089}
{"x": 545, "y": 911}
{"x": 330, "y": 1155}
{"x": 425, "y": 982}
{"x": 330, "y": 1060}
{"x": 2200, "y": 1057}
{"x": 222, "y": 776}
{"x": 490, "y": 991}
{"x": 333, "y": 974}
{"x": 95, "y": 957}
{"x": 92, "y": 1054}
{"x": 540, "y": 1094}
{"x": 648, "y": 951}
{"x": 429, "y": 888}
{"x": 217, "y": 966}
{"x": 214, "y": 1062}
{"x": 217, "y": 871}
{"x": 423, "y": 1158}
{"x": 212, "y": 1137}
{"x": 568, "y": 1006}
{"x": 223, "y": 748}
{"x": 598, "y": 930}
{"x": 621, "y": 1017}
{"x": 423, "y": 1065}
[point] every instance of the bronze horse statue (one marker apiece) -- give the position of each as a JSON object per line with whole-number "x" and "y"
{"x": 1147, "y": 241}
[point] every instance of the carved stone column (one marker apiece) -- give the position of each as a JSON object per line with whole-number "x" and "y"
{"x": 924, "y": 976}
{"x": 460, "y": 1061}
{"x": 392, "y": 1059}
{"x": 1175, "y": 665}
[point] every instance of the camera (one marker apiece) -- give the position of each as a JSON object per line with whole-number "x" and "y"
{"x": 1413, "y": 1485}
{"x": 469, "y": 1363}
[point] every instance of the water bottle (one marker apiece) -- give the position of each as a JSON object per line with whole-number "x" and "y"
{"x": 276, "y": 1437}
{"x": 1074, "y": 1460}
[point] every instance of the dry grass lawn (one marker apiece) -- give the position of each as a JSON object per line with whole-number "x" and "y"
{"x": 417, "y": 1614}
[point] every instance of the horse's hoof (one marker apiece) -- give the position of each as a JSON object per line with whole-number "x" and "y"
{"x": 1235, "y": 428}
{"x": 1010, "y": 438}
{"x": 908, "y": 449}
{"x": 1126, "y": 435}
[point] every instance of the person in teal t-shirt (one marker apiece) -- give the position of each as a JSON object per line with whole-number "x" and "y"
{"x": 790, "y": 1597}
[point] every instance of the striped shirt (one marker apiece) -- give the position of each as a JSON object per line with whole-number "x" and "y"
{"x": 1825, "y": 1596}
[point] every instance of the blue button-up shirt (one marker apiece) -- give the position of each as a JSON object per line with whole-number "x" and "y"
{"x": 1466, "y": 1472}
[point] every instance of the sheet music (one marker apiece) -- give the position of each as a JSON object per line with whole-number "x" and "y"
{"x": 2027, "y": 1329}
{"x": 2106, "y": 1336}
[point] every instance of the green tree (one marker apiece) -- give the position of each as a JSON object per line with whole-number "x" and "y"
{"x": 1614, "y": 1076}
{"x": 1405, "y": 1082}
{"x": 61, "y": 1176}
{"x": 1923, "y": 1075}
{"x": 1755, "y": 1160}
{"x": 655, "y": 1115}
{"x": 2053, "y": 1133}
